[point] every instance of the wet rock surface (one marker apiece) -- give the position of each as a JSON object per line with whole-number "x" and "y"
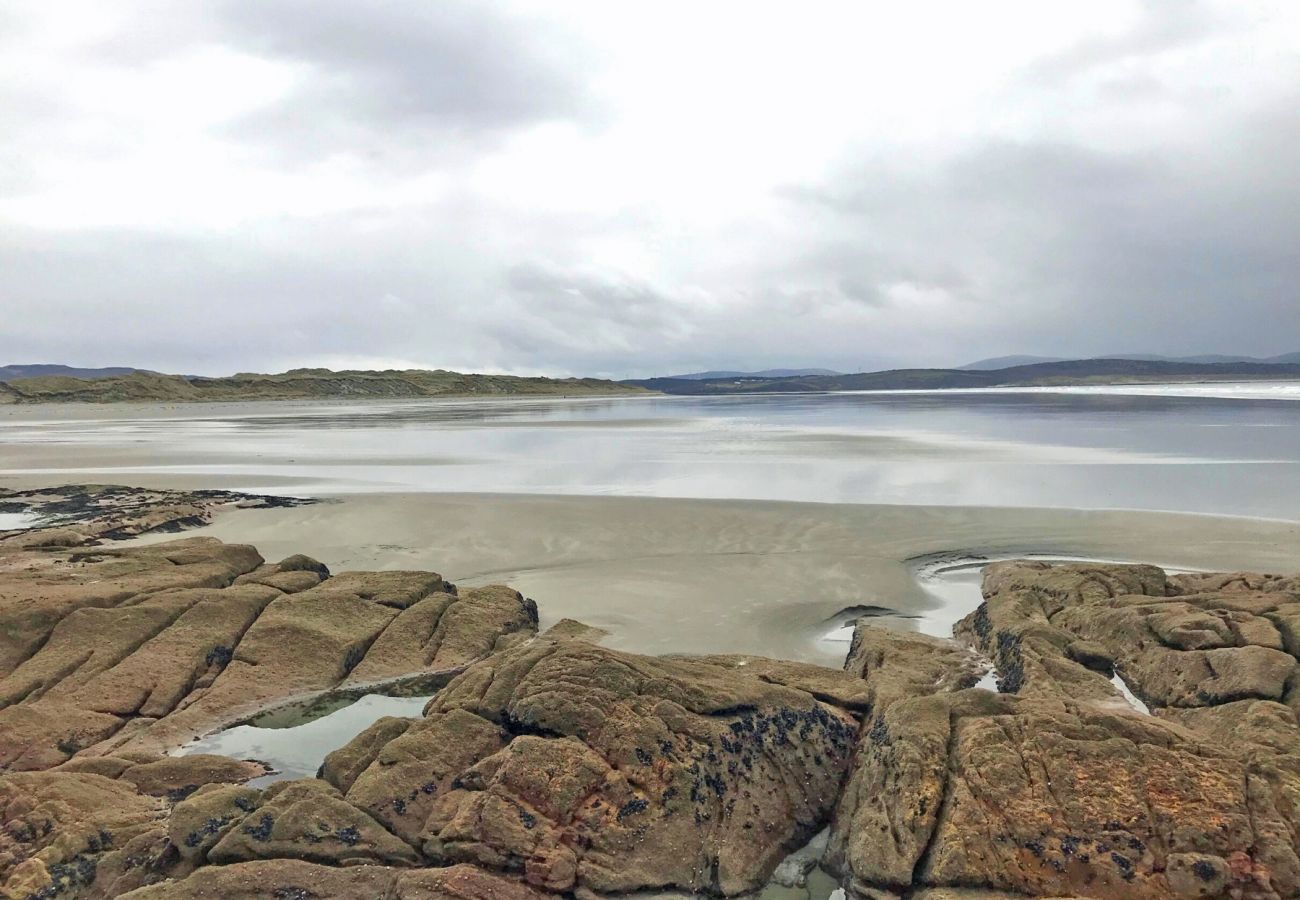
{"x": 551, "y": 766}
{"x": 110, "y": 649}
{"x": 84, "y": 514}
{"x": 1059, "y": 787}
{"x": 590, "y": 769}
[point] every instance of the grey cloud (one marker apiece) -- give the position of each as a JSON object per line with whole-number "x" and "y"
{"x": 1162, "y": 25}
{"x": 1071, "y": 250}
{"x": 585, "y": 312}
{"x": 1045, "y": 245}
{"x": 448, "y": 69}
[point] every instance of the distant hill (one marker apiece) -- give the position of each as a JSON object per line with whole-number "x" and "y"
{"x": 765, "y": 373}
{"x": 42, "y": 370}
{"x": 298, "y": 384}
{"x": 1004, "y": 362}
{"x": 1065, "y": 372}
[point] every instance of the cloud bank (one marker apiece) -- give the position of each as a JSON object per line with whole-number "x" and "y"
{"x": 634, "y": 189}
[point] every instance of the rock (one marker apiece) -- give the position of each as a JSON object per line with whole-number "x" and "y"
{"x": 309, "y": 820}
{"x": 86, "y": 514}
{"x": 296, "y": 880}
{"x": 38, "y": 589}
{"x": 342, "y": 766}
{"x": 176, "y": 777}
{"x": 298, "y": 562}
{"x": 552, "y": 766}
{"x": 1174, "y": 647}
{"x": 1056, "y": 789}
{"x": 897, "y": 664}
{"x": 573, "y": 630}
{"x": 1261, "y": 727}
{"x": 300, "y": 577}
{"x": 107, "y": 651}
{"x": 607, "y": 772}
{"x": 62, "y": 828}
{"x": 445, "y": 632}
{"x": 1048, "y": 799}
{"x": 199, "y": 821}
{"x": 39, "y": 736}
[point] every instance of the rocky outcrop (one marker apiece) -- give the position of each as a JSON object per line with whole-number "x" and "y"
{"x": 294, "y": 880}
{"x": 1188, "y": 642}
{"x": 86, "y": 514}
{"x": 112, "y": 650}
{"x": 99, "y": 828}
{"x": 1058, "y": 786}
{"x": 592, "y": 770}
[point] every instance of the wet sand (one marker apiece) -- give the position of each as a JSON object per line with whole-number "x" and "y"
{"x": 706, "y": 576}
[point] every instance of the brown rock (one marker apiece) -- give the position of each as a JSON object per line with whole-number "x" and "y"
{"x": 445, "y": 632}
{"x": 301, "y": 644}
{"x": 342, "y": 766}
{"x": 1048, "y": 799}
{"x": 309, "y": 820}
{"x": 601, "y": 771}
{"x": 38, "y": 589}
{"x": 1212, "y": 640}
{"x": 1054, "y": 788}
{"x": 199, "y": 821}
{"x": 176, "y": 777}
{"x": 573, "y": 630}
{"x": 290, "y": 879}
{"x": 60, "y": 827}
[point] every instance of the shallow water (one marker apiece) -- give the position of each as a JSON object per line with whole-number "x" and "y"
{"x": 952, "y": 583}
{"x": 295, "y": 748}
{"x": 15, "y": 521}
{"x": 1229, "y": 449}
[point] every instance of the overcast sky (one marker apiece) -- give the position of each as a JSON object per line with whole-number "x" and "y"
{"x": 625, "y": 189}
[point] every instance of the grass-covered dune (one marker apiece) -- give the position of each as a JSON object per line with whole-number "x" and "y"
{"x": 297, "y": 384}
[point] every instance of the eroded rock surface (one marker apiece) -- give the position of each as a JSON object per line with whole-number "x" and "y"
{"x": 1058, "y": 786}
{"x": 594, "y": 770}
{"x": 139, "y": 649}
{"x": 86, "y": 514}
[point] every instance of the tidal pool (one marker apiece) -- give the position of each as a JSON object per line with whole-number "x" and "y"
{"x": 17, "y": 521}
{"x": 295, "y": 741}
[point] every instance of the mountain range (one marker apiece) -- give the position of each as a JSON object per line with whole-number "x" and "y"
{"x": 764, "y": 373}
{"x": 1004, "y": 362}
{"x": 1065, "y": 372}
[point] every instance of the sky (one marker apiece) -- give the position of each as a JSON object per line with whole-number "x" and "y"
{"x": 641, "y": 188}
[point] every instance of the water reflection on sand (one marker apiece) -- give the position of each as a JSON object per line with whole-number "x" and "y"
{"x": 1234, "y": 455}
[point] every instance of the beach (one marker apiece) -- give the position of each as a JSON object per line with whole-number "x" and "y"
{"x": 700, "y": 576}
{"x": 669, "y": 522}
